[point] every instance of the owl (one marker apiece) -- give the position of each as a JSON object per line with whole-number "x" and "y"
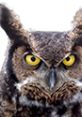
{"x": 42, "y": 72}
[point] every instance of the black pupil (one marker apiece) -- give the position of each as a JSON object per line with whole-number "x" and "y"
{"x": 33, "y": 58}
{"x": 68, "y": 58}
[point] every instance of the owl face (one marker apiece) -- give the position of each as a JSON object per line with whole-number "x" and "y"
{"x": 48, "y": 69}
{"x": 43, "y": 66}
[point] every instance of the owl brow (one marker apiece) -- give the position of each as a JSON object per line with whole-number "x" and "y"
{"x": 47, "y": 62}
{"x": 63, "y": 58}
{"x": 41, "y": 59}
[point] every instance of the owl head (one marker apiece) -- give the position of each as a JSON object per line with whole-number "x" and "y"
{"x": 43, "y": 66}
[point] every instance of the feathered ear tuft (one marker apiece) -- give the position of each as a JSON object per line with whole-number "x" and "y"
{"x": 77, "y": 23}
{"x": 76, "y": 33}
{"x": 11, "y": 24}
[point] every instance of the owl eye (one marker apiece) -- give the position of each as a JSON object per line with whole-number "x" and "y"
{"x": 69, "y": 61}
{"x": 32, "y": 60}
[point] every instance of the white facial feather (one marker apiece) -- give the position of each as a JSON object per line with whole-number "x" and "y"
{"x": 26, "y": 81}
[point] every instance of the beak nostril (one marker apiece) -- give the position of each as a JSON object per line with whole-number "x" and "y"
{"x": 52, "y": 78}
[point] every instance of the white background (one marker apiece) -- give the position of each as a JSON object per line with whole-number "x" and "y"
{"x": 47, "y": 15}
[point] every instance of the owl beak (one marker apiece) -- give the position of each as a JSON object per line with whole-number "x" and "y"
{"x": 52, "y": 78}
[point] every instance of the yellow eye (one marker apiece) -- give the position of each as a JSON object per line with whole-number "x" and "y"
{"x": 32, "y": 60}
{"x": 69, "y": 61}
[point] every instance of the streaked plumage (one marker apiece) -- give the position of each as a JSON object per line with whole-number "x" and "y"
{"x": 42, "y": 74}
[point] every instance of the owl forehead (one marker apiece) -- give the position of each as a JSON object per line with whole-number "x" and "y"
{"x": 51, "y": 46}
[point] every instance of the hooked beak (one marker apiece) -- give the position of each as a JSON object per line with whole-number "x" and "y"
{"x": 52, "y": 78}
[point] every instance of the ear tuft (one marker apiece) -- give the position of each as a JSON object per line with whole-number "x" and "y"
{"x": 11, "y": 24}
{"x": 77, "y": 23}
{"x": 77, "y": 28}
